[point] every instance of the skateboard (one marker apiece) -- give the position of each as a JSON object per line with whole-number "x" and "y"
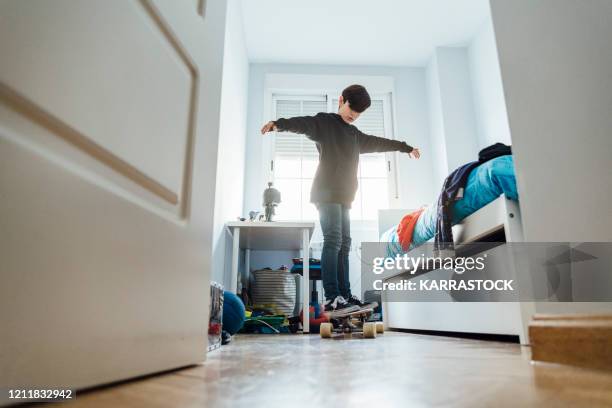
{"x": 348, "y": 323}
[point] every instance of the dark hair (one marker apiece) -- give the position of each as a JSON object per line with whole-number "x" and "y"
{"x": 357, "y": 97}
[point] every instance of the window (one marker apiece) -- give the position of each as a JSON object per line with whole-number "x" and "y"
{"x": 295, "y": 159}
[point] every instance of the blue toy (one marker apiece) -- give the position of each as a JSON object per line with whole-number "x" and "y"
{"x": 233, "y": 312}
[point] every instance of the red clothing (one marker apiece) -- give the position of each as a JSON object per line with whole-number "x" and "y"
{"x": 406, "y": 227}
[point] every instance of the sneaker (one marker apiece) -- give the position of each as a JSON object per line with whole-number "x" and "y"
{"x": 354, "y": 300}
{"x": 339, "y": 304}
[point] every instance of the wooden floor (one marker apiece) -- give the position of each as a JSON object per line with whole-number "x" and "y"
{"x": 396, "y": 369}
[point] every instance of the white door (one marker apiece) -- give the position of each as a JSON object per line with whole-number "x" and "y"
{"x": 108, "y": 141}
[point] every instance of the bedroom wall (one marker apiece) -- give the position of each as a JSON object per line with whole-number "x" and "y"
{"x": 457, "y": 106}
{"x": 489, "y": 103}
{"x": 452, "y": 114}
{"x": 436, "y": 124}
{"x": 231, "y": 150}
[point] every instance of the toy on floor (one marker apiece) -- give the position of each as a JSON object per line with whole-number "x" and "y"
{"x": 216, "y": 316}
{"x": 225, "y": 337}
{"x": 316, "y": 317}
{"x": 263, "y": 324}
{"x": 233, "y": 312}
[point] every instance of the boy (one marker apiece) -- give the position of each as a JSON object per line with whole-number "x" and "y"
{"x": 333, "y": 190}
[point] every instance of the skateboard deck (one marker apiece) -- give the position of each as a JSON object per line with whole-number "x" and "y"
{"x": 369, "y": 308}
{"x": 347, "y": 323}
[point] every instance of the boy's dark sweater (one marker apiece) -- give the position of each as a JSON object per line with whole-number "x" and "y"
{"x": 339, "y": 145}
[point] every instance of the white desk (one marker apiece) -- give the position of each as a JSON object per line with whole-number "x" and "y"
{"x": 273, "y": 236}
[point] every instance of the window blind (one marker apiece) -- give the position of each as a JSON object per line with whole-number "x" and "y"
{"x": 289, "y": 144}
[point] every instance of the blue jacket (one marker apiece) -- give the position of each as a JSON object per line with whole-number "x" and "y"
{"x": 452, "y": 190}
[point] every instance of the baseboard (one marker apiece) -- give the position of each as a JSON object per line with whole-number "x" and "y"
{"x": 579, "y": 340}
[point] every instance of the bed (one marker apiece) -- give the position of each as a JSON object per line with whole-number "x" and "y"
{"x": 485, "y": 185}
{"x": 488, "y": 212}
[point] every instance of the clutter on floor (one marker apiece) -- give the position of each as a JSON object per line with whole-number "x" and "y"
{"x": 215, "y": 321}
{"x": 233, "y": 313}
{"x": 277, "y": 287}
{"x": 225, "y": 337}
{"x": 316, "y": 317}
{"x": 263, "y": 321}
{"x": 271, "y": 304}
{"x": 227, "y": 315}
{"x": 275, "y": 307}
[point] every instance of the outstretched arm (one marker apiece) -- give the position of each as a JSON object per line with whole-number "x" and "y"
{"x": 371, "y": 144}
{"x": 306, "y": 125}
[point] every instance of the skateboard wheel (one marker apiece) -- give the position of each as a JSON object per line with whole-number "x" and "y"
{"x": 369, "y": 330}
{"x": 326, "y": 330}
{"x": 380, "y": 327}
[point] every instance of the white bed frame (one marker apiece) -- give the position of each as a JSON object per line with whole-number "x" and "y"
{"x": 504, "y": 318}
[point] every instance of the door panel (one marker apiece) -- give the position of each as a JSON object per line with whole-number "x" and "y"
{"x": 106, "y": 71}
{"x": 105, "y": 231}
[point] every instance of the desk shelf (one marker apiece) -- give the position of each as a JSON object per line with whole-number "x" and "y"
{"x": 258, "y": 235}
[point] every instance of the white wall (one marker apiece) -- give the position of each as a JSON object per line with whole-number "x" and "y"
{"x": 416, "y": 180}
{"x": 231, "y": 151}
{"x": 451, "y": 111}
{"x": 436, "y": 124}
{"x": 457, "y": 106}
{"x": 490, "y": 107}
{"x": 556, "y": 70}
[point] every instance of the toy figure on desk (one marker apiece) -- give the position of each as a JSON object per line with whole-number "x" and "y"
{"x": 271, "y": 198}
{"x": 253, "y": 215}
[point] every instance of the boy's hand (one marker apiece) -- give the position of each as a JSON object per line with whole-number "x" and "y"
{"x": 415, "y": 153}
{"x": 268, "y": 127}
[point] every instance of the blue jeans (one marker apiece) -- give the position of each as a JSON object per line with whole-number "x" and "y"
{"x": 336, "y": 226}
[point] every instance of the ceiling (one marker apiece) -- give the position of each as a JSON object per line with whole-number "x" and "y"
{"x": 359, "y": 32}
